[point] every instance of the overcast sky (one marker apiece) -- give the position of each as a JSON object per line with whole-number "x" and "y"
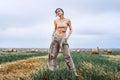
{"x": 29, "y": 23}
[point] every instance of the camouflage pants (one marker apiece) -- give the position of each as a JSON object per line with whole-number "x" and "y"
{"x": 59, "y": 41}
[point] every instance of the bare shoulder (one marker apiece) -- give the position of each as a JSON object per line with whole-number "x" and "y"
{"x": 55, "y": 20}
{"x": 68, "y": 20}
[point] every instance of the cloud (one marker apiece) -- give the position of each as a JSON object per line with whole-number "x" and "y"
{"x": 105, "y": 23}
{"x": 23, "y": 13}
{"x": 29, "y": 23}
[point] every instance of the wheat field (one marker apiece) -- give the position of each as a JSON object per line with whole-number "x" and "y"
{"x": 33, "y": 66}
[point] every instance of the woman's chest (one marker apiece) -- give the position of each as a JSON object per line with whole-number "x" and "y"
{"x": 62, "y": 23}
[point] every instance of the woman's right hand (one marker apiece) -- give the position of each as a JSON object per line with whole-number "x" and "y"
{"x": 52, "y": 35}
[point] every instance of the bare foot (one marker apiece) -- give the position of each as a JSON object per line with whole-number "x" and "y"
{"x": 76, "y": 74}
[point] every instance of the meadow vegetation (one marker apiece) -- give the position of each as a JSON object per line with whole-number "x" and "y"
{"x": 102, "y": 66}
{"x": 33, "y": 66}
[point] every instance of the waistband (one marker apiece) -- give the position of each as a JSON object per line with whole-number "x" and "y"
{"x": 59, "y": 35}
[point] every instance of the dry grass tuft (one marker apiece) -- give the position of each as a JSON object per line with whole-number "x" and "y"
{"x": 113, "y": 57}
{"x": 87, "y": 65}
{"x": 20, "y": 70}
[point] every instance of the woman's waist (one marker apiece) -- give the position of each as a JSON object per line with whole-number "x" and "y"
{"x": 61, "y": 32}
{"x": 59, "y": 36}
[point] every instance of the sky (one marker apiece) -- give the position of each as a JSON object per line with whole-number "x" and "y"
{"x": 29, "y": 23}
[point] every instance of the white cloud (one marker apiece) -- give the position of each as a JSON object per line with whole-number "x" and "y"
{"x": 29, "y": 23}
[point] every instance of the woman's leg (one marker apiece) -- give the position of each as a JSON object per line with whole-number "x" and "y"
{"x": 67, "y": 56}
{"x": 52, "y": 55}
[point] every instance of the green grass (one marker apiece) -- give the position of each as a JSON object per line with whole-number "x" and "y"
{"x": 102, "y": 68}
{"x": 89, "y": 67}
{"x": 8, "y": 57}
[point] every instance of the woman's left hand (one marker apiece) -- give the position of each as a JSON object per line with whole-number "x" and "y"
{"x": 66, "y": 38}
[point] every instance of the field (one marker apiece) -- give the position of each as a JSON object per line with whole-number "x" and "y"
{"x": 33, "y": 66}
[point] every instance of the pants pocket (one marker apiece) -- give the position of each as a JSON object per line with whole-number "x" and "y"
{"x": 65, "y": 42}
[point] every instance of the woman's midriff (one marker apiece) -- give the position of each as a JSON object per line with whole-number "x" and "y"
{"x": 61, "y": 30}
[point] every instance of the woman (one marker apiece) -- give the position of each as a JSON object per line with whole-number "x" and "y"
{"x": 59, "y": 41}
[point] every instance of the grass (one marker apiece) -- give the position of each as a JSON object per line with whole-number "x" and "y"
{"x": 21, "y": 69}
{"x": 9, "y": 57}
{"x": 89, "y": 67}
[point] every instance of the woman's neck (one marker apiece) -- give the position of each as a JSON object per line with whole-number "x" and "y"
{"x": 61, "y": 17}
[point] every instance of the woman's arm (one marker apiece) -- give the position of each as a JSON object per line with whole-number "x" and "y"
{"x": 70, "y": 29}
{"x": 55, "y": 27}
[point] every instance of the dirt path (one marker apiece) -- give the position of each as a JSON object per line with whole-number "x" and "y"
{"x": 20, "y": 70}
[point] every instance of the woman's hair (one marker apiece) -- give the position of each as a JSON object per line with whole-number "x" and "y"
{"x": 60, "y": 9}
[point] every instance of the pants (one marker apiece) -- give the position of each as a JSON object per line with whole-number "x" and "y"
{"x": 59, "y": 41}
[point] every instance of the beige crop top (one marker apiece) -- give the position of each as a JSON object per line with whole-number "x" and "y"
{"x": 62, "y": 24}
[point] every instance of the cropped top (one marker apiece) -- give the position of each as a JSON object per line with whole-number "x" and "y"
{"x": 62, "y": 24}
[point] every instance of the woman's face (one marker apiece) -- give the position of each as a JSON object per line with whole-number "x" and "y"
{"x": 59, "y": 12}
